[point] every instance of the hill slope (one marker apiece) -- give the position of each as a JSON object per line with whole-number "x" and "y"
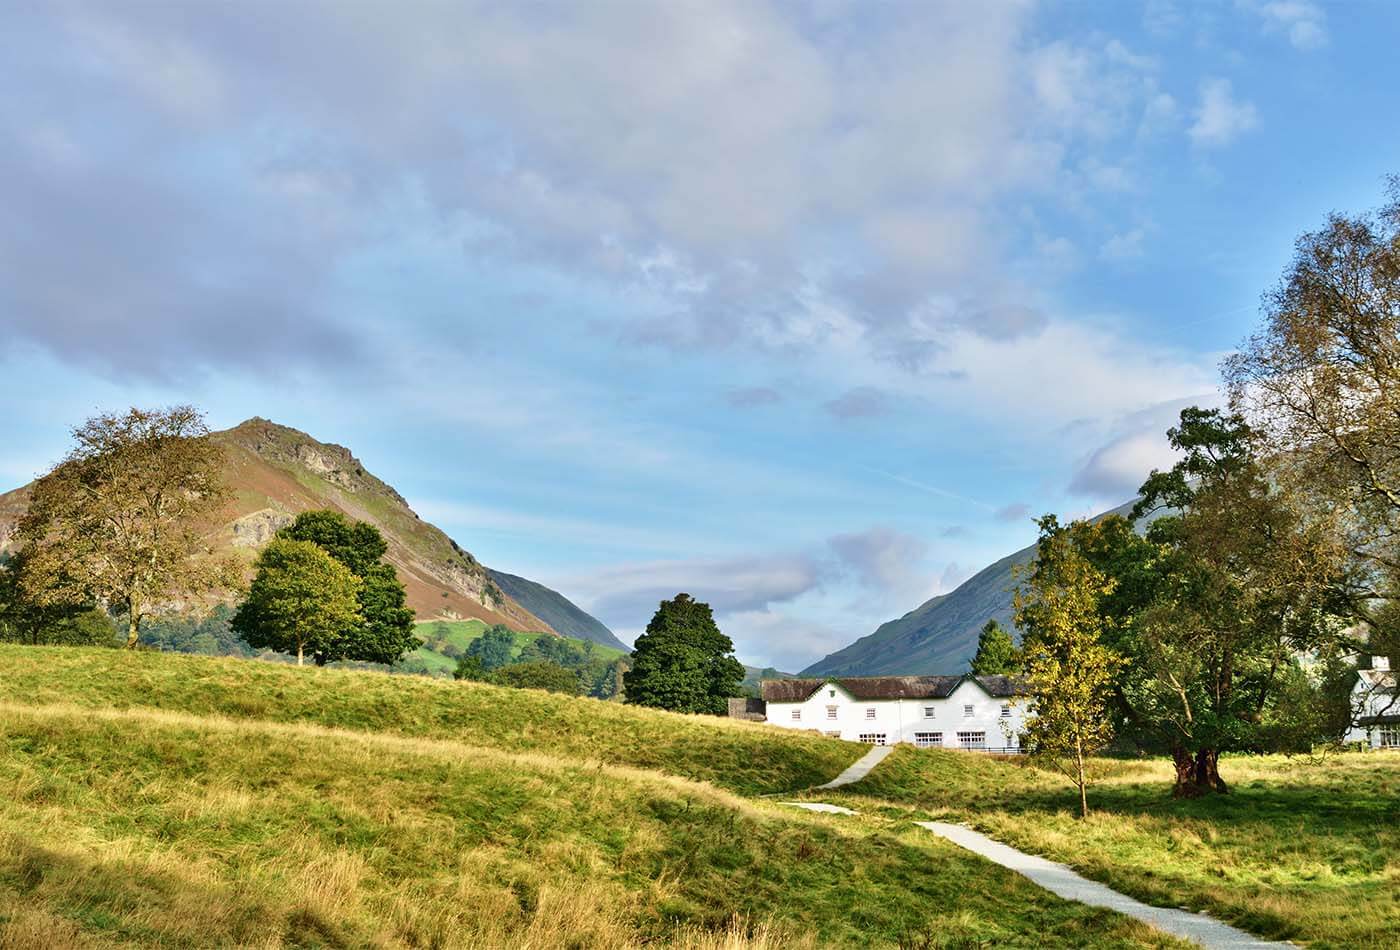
{"x": 274, "y": 472}
{"x": 556, "y": 610}
{"x": 940, "y": 635}
{"x": 157, "y": 799}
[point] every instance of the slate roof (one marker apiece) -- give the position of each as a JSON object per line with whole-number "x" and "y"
{"x": 886, "y": 687}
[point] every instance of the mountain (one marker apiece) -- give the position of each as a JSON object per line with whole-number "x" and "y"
{"x": 556, "y": 610}
{"x": 940, "y": 635}
{"x": 274, "y": 472}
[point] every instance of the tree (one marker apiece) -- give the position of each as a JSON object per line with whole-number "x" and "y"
{"x": 539, "y": 674}
{"x": 996, "y": 651}
{"x": 1067, "y": 667}
{"x": 123, "y": 519}
{"x": 683, "y": 662}
{"x": 493, "y": 648}
{"x": 1321, "y": 382}
{"x": 470, "y": 668}
{"x": 1245, "y": 583}
{"x": 386, "y": 633}
{"x": 301, "y": 601}
{"x": 22, "y": 620}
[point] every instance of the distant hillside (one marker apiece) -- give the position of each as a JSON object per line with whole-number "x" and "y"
{"x": 556, "y": 610}
{"x": 940, "y": 635}
{"x": 275, "y": 472}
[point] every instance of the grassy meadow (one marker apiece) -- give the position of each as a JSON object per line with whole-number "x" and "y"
{"x": 1304, "y": 849}
{"x": 186, "y": 801}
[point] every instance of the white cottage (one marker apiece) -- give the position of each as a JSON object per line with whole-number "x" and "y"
{"x": 980, "y": 713}
{"x": 1375, "y": 707}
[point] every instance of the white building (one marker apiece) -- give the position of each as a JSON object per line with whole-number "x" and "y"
{"x": 1375, "y": 707}
{"x": 982, "y": 713}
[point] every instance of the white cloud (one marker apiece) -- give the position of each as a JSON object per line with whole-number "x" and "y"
{"x": 1112, "y": 473}
{"x": 1303, "y": 22}
{"x": 1220, "y": 117}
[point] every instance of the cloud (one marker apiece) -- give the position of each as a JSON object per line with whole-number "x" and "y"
{"x": 1018, "y": 511}
{"x": 1124, "y": 246}
{"x": 752, "y": 397}
{"x": 862, "y": 402}
{"x": 954, "y": 531}
{"x": 883, "y": 559}
{"x": 627, "y": 594}
{"x": 953, "y": 575}
{"x": 1113, "y": 472}
{"x": 1220, "y": 117}
{"x": 1303, "y": 22}
{"x": 213, "y": 171}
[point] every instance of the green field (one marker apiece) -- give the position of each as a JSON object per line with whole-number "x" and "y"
{"x": 460, "y": 633}
{"x": 1304, "y": 849}
{"x": 153, "y": 798}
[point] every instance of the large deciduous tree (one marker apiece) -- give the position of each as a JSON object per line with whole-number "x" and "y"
{"x": 1321, "y": 381}
{"x": 302, "y": 601}
{"x": 1067, "y": 668}
{"x": 122, "y": 519}
{"x": 683, "y": 662}
{"x": 22, "y": 620}
{"x": 385, "y": 632}
{"x": 1243, "y": 584}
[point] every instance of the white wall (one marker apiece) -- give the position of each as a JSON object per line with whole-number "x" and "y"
{"x": 899, "y": 720}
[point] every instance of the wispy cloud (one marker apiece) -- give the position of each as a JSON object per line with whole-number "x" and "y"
{"x": 1220, "y": 117}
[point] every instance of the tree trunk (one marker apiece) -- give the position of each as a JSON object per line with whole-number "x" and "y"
{"x": 1079, "y": 767}
{"x": 298, "y": 653}
{"x": 133, "y": 629}
{"x": 1185, "y": 765}
{"x": 1208, "y": 772}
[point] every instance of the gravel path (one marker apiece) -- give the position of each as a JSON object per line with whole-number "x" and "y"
{"x": 1065, "y": 883}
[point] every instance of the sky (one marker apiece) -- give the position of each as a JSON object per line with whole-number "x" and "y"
{"x": 805, "y": 309}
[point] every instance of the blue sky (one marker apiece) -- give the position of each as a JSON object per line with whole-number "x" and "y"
{"x": 806, "y": 309}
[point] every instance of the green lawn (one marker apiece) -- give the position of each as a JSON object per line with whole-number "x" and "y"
{"x": 1303, "y": 849}
{"x": 187, "y": 801}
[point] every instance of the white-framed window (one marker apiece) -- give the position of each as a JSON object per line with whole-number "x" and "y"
{"x": 873, "y": 738}
{"x": 1389, "y": 737}
{"x": 796, "y": 714}
{"x": 831, "y": 694}
{"x": 972, "y": 740}
{"x": 930, "y": 711}
{"x": 968, "y": 711}
{"x": 831, "y": 712}
{"x": 870, "y": 712}
{"x": 1006, "y": 710}
{"x": 926, "y": 739}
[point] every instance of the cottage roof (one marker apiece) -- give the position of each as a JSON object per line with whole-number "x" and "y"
{"x": 887, "y": 687}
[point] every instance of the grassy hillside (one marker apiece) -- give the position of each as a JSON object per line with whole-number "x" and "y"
{"x": 444, "y": 640}
{"x": 151, "y": 798}
{"x": 556, "y": 610}
{"x": 940, "y": 635}
{"x": 1303, "y": 849}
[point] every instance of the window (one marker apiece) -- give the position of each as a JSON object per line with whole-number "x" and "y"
{"x": 929, "y": 711}
{"x": 1390, "y": 737}
{"x": 831, "y": 712}
{"x": 835, "y": 735}
{"x": 873, "y": 738}
{"x": 870, "y": 712}
{"x": 967, "y": 712}
{"x": 796, "y": 714}
{"x": 1006, "y": 710}
{"x": 925, "y": 739}
{"x": 831, "y": 693}
{"x": 972, "y": 740}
